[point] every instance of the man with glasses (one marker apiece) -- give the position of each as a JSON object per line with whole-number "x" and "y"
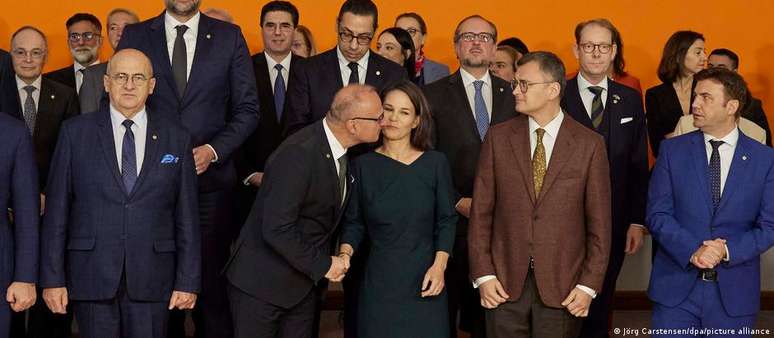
{"x": 84, "y": 37}
{"x": 43, "y": 106}
{"x": 464, "y": 105}
{"x": 427, "y": 70}
{"x": 316, "y": 79}
{"x": 540, "y": 222}
{"x": 616, "y": 112}
{"x": 121, "y": 234}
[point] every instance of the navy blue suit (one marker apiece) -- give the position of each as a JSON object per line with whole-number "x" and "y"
{"x": 99, "y": 241}
{"x": 18, "y": 191}
{"x": 624, "y": 129}
{"x": 219, "y": 107}
{"x": 680, "y": 217}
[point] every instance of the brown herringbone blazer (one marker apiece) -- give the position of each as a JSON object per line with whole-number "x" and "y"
{"x": 566, "y": 229}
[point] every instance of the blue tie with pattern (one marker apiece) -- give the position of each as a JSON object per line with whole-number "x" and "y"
{"x": 714, "y": 173}
{"x": 128, "y": 158}
{"x": 482, "y": 117}
{"x": 279, "y": 92}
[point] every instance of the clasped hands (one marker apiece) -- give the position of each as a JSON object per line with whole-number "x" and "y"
{"x": 339, "y": 267}
{"x": 710, "y": 254}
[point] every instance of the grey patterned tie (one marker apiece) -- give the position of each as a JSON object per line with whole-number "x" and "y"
{"x": 30, "y": 111}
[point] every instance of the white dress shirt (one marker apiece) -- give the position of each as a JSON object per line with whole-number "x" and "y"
{"x": 20, "y": 84}
{"x": 140, "y": 130}
{"x": 189, "y": 36}
{"x": 587, "y": 96}
{"x": 470, "y": 90}
{"x": 362, "y": 67}
{"x": 77, "y": 67}
{"x": 726, "y": 151}
{"x": 270, "y": 63}
{"x": 337, "y": 149}
{"x": 549, "y": 139}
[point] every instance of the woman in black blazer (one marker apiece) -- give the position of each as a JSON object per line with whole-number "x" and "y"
{"x": 683, "y": 57}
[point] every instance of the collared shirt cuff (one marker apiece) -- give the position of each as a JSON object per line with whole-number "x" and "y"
{"x": 639, "y": 226}
{"x": 246, "y": 181}
{"x": 588, "y": 290}
{"x": 728, "y": 254}
{"x": 482, "y": 280}
{"x": 214, "y": 152}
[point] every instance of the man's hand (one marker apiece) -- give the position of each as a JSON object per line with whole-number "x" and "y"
{"x": 56, "y": 299}
{"x": 182, "y": 300}
{"x": 338, "y": 269}
{"x": 463, "y": 206}
{"x": 634, "y": 239}
{"x": 709, "y": 254}
{"x": 42, "y": 204}
{"x": 492, "y": 294}
{"x": 21, "y": 295}
{"x": 203, "y": 156}
{"x": 433, "y": 283}
{"x": 256, "y": 179}
{"x": 578, "y": 302}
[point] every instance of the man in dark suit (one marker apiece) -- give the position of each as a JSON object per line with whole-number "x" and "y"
{"x": 614, "y": 111}
{"x": 121, "y": 235}
{"x": 538, "y": 269}
{"x": 273, "y": 68}
{"x": 285, "y": 249}
{"x": 206, "y": 81}
{"x": 92, "y": 93}
{"x": 710, "y": 207}
{"x": 44, "y": 105}
{"x": 84, "y": 37}
{"x": 317, "y": 79}
{"x": 464, "y": 105}
{"x": 725, "y": 58}
{"x": 18, "y": 237}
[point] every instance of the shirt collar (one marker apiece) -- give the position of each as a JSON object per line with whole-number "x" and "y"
{"x": 552, "y": 128}
{"x": 729, "y": 139}
{"x": 193, "y": 23}
{"x": 116, "y": 118}
{"x": 584, "y": 84}
{"x": 21, "y": 84}
{"x": 285, "y": 62}
{"x": 468, "y": 79}
{"x": 336, "y": 148}
{"x": 362, "y": 63}
{"x": 77, "y": 66}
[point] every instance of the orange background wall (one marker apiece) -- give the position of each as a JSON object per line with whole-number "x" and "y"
{"x": 744, "y": 26}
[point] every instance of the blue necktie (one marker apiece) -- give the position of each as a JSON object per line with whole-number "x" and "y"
{"x": 482, "y": 117}
{"x": 714, "y": 173}
{"x": 279, "y": 92}
{"x": 128, "y": 158}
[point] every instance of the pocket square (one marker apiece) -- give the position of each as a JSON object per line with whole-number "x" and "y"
{"x": 169, "y": 158}
{"x": 626, "y": 120}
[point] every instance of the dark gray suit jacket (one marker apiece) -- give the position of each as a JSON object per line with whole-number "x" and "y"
{"x": 93, "y": 88}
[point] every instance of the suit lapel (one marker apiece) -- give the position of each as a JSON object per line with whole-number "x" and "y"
{"x": 575, "y": 106}
{"x": 701, "y": 167}
{"x": 158, "y": 39}
{"x": 738, "y": 170}
{"x": 203, "y": 47}
{"x": 108, "y": 146}
{"x": 263, "y": 82}
{"x": 460, "y": 101}
{"x": 45, "y": 108}
{"x": 564, "y": 148}
{"x": 374, "y": 73}
{"x": 150, "y": 159}
{"x": 520, "y": 145}
{"x": 501, "y": 93}
{"x": 331, "y": 59}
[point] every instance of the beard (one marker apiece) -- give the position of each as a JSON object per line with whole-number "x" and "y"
{"x": 470, "y": 62}
{"x": 84, "y": 55}
{"x": 182, "y": 10}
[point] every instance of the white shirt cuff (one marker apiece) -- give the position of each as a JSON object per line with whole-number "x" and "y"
{"x": 482, "y": 280}
{"x": 214, "y": 152}
{"x": 588, "y": 290}
{"x": 246, "y": 181}
{"x": 639, "y": 226}
{"x": 728, "y": 254}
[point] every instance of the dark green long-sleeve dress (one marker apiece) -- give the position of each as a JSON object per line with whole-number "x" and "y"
{"x": 407, "y": 213}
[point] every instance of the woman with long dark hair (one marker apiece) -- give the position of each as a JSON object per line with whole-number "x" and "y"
{"x": 396, "y": 45}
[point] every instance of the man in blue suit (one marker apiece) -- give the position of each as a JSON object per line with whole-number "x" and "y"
{"x": 120, "y": 234}
{"x": 206, "y": 81}
{"x": 711, "y": 210}
{"x": 18, "y": 241}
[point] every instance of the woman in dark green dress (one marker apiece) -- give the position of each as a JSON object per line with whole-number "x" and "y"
{"x": 402, "y": 202}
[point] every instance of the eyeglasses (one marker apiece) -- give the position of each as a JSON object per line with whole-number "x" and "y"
{"x": 589, "y": 48}
{"x": 122, "y": 78}
{"x": 524, "y": 85}
{"x": 378, "y": 119}
{"x": 283, "y": 27}
{"x": 412, "y": 31}
{"x": 362, "y": 39}
{"x": 36, "y": 53}
{"x": 480, "y": 37}
{"x": 86, "y": 37}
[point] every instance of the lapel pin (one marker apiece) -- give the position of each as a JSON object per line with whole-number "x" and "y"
{"x": 378, "y": 73}
{"x": 154, "y": 137}
{"x": 208, "y": 36}
{"x": 501, "y": 89}
{"x": 327, "y": 155}
{"x": 53, "y": 96}
{"x": 616, "y": 98}
{"x": 744, "y": 157}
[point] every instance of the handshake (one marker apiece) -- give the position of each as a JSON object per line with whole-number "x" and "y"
{"x": 710, "y": 254}
{"x": 339, "y": 267}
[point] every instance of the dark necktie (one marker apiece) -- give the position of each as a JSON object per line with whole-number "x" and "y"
{"x": 354, "y": 76}
{"x": 180, "y": 61}
{"x": 482, "y": 117}
{"x": 128, "y": 158}
{"x": 714, "y": 173}
{"x": 82, "y": 72}
{"x": 30, "y": 111}
{"x": 597, "y": 109}
{"x": 279, "y": 92}
{"x": 342, "y": 176}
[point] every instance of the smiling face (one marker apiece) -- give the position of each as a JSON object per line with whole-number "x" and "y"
{"x": 29, "y": 66}
{"x": 475, "y": 54}
{"x": 596, "y": 65}
{"x": 277, "y": 32}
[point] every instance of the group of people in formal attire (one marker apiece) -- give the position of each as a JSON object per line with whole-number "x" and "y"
{"x": 187, "y": 176}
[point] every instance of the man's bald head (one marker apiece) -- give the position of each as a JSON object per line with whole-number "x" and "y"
{"x": 129, "y": 81}
{"x": 133, "y": 56}
{"x": 352, "y": 101}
